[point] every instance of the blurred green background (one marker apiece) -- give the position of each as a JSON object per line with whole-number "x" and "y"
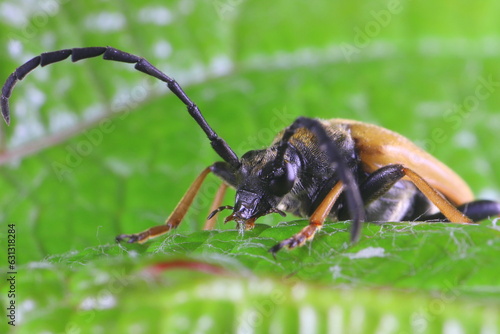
{"x": 96, "y": 149}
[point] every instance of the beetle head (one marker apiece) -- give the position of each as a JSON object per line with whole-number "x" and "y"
{"x": 262, "y": 180}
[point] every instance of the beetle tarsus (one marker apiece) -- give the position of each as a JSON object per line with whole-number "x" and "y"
{"x": 276, "y": 248}
{"x": 297, "y": 240}
{"x": 129, "y": 238}
{"x": 290, "y": 243}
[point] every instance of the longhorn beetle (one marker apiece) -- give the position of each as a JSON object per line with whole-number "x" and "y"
{"x": 338, "y": 169}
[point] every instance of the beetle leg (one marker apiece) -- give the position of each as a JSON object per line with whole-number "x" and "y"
{"x": 214, "y": 208}
{"x": 448, "y": 209}
{"x": 476, "y": 210}
{"x": 382, "y": 179}
{"x": 315, "y": 221}
{"x": 175, "y": 217}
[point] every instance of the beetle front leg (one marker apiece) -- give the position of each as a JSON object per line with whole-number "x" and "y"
{"x": 315, "y": 222}
{"x": 219, "y": 196}
{"x": 174, "y": 219}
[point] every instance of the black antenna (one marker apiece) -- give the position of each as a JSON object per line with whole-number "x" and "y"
{"x": 108, "y": 53}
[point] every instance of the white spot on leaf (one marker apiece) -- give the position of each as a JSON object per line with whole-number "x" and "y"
{"x": 452, "y": 326}
{"x": 221, "y": 65}
{"x": 102, "y": 302}
{"x": 105, "y": 21}
{"x": 308, "y": 320}
{"x": 388, "y": 324}
{"x": 62, "y": 120}
{"x": 158, "y": 15}
{"x": 336, "y": 320}
{"x": 162, "y": 49}
{"x": 367, "y": 253}
{"x": 15, "y": 48}
{"x": 465, "y": 139}
{"x": 13, "y": 14}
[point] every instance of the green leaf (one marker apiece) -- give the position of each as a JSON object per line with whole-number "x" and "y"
{"x": 96, "y": 149}
{"x": 229, "y": 282}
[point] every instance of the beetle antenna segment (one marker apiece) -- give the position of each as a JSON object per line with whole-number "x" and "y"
{"x": 354, "y": 201}
{"x": 108, "y": 53}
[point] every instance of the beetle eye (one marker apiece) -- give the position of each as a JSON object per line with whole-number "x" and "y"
{"x": 282, "y": 181}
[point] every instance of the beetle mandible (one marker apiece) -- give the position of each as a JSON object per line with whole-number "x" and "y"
{"x": 337, "y": 169}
